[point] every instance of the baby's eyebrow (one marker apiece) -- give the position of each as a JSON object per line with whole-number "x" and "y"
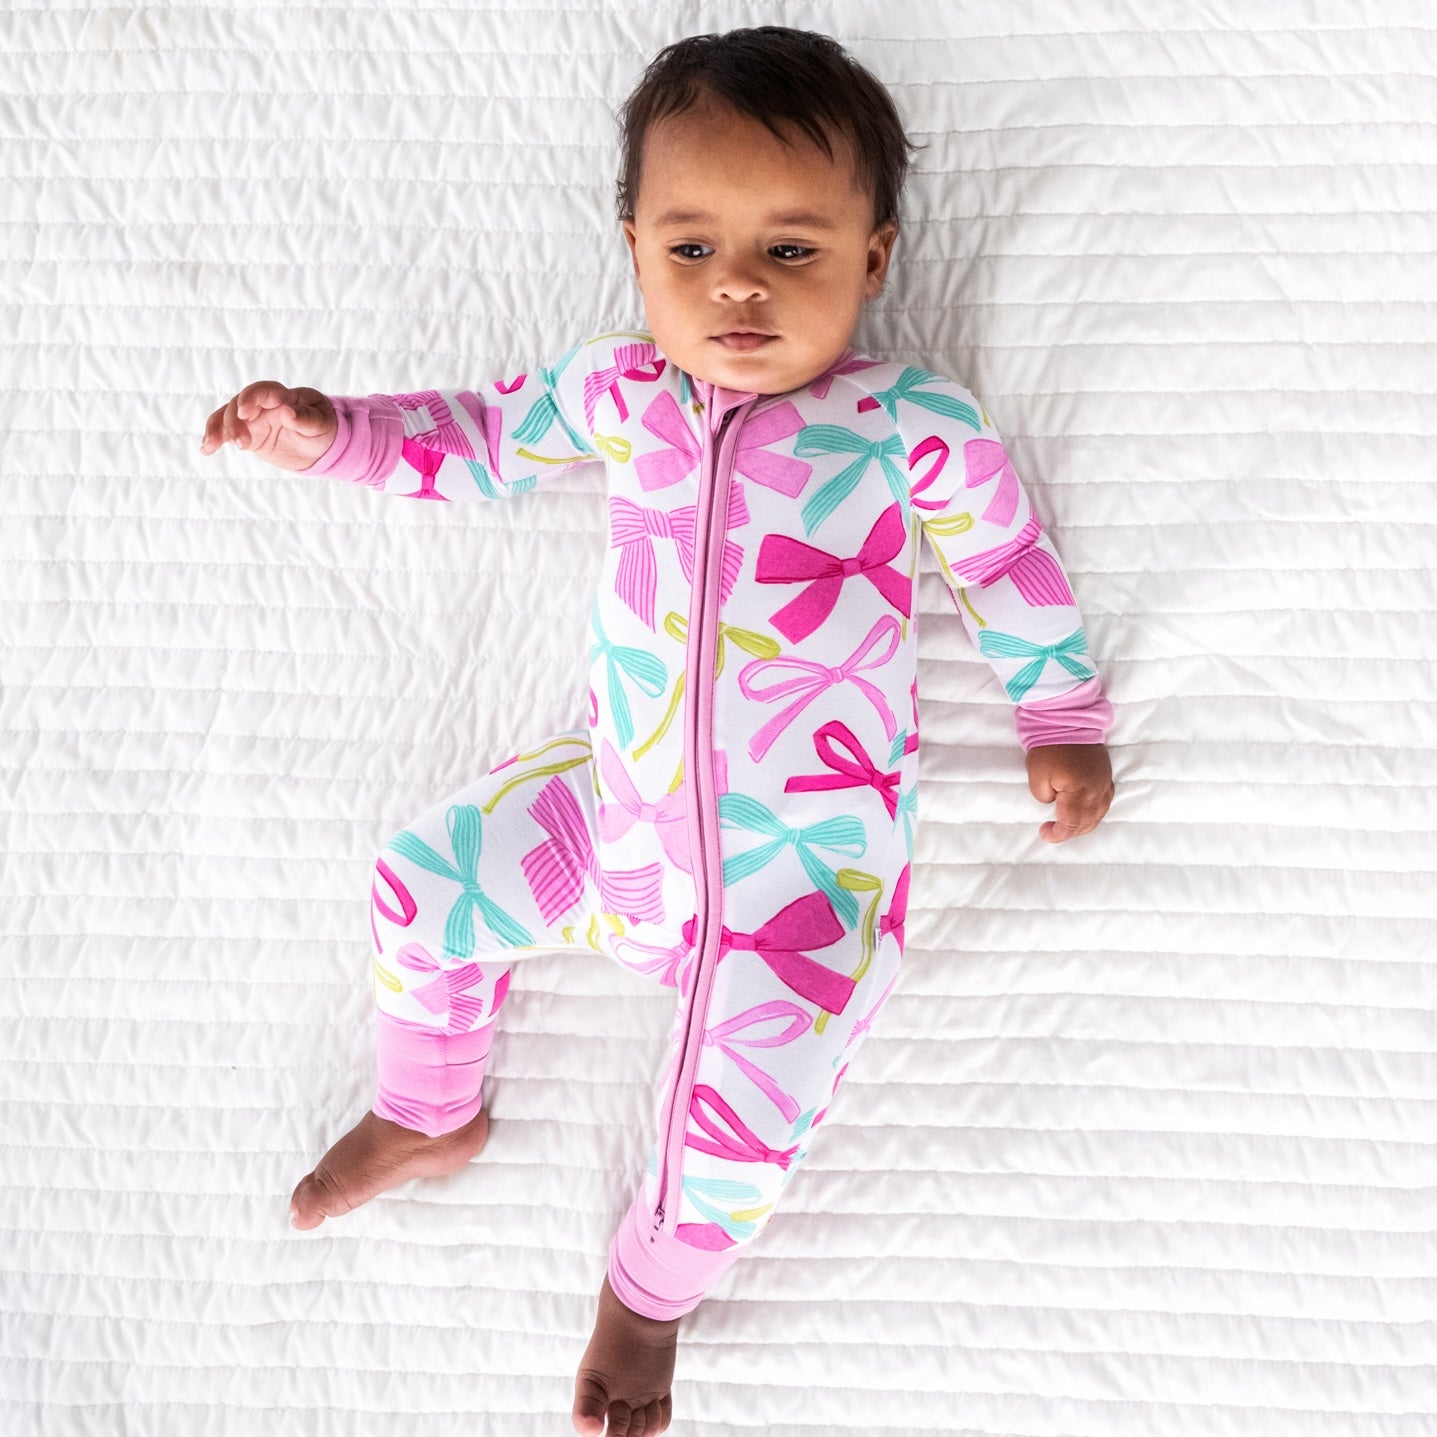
{"x": 805, "y": 218}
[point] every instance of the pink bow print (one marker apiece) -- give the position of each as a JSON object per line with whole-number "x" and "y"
{"x": 892, "y": 921}
{"x": 983, "y": 458}
{"x": 855, "y": 772}
{"x": 724, "y": 1035}
{"x": 773, "y": 471}
{"x": 807, "y": 922}
{"x": 406, "y": 902}
{"x": 669, "y": 815}
{"x": 445, "y": 995}
{"x": 816, "y": 679}
{"x": 634, "y": 530}
{"x": 667, "y": 466}
{"x": 741, "y": 1144}
{"x": 664, "y": 967}
{"x": 1034, "y": 572}
{"x": 862, "y": 1026}
{"x": 489, "y": 421}
{"x": 557, "y": 868}
{"x": 784, "y": 560}
{"x": 820, "y": 386}
{"x": 632, "y": 361}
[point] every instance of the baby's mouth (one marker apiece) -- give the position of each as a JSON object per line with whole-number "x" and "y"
{"x": 742, "y": 341}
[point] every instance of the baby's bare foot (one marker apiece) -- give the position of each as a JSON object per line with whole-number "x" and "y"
{"x": 626, "y": 1372}
{"x": 375, "y": 1155}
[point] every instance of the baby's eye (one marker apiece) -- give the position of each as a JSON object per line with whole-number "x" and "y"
{"x": 674, "y": 249}
{"x": 801, "y": 250}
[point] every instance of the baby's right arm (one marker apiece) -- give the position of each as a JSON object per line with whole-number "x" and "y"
{"x": 486, "y": 442}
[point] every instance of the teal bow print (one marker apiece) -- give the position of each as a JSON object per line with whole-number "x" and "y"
{"x": 490, "y": 490}
{"x": 731, "y": 1192}
{"x": 908, "y": 812}
{"x": 545, "y": 410}
{"x": 1010, "y": 646}
{"x": 647, "y": 670}
{"x": 908, "y": 388}
{"x": 834, "y": 439}
{"x": 844, "y": 834}
{"x": 466, "y": 839}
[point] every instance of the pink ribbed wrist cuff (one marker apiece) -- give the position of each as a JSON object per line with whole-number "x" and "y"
{"x": 1082, "y": 715}
{"x": 368, "y": 442}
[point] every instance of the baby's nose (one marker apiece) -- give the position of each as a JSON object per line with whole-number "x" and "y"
{"x": 739, "y": 285}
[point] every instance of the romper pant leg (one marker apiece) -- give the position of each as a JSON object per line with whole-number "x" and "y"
{"x": 773, "y": 1057}
{"x": 501, "y": 868}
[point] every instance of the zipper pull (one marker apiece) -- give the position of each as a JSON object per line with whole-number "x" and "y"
{"x": 658, "y": 1223}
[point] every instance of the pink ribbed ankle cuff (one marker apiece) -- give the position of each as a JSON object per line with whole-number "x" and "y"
{"x": 429, "y": 1081}
{"x": 657, "y": 1275}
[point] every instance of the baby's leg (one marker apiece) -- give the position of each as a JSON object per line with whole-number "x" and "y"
{"x": 777, "y": 1033}
{"x": 495, "y": 871}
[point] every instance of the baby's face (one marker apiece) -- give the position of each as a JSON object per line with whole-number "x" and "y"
{"x": 776, "y": 239}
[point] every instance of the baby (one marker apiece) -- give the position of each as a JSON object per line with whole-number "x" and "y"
{"x": 736, "y": 819}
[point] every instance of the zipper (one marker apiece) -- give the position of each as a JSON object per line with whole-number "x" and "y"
{"x": 700, "y": 684}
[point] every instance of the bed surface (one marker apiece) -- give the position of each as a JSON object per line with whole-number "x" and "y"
{"x": 1143, "y": 1142}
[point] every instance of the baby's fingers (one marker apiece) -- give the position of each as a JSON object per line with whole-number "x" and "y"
{"x": 231, "y": 422}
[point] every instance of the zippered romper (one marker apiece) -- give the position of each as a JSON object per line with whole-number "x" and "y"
{"x": 737, "y": 818}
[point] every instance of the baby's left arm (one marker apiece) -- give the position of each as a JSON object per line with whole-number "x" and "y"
{"x": 1013, "y": 596}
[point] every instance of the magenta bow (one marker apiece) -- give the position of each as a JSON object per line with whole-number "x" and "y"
{"x": 557, "y": 868}
{"x": 983, "y": 458}
{"x": 667, "y": 466}
{"x": 855, "y": 772}
{"x": 1034, "y": 572}
{"x": 724, "y": 1035}
{"x": 932, "y": 445}
{"x": 445, "y": 995}
{"x": 892, "y": 921}
{"x": 376, "y": 900}
{"x": 785, "y": 560}
{"x": 815, "y": 679}
{"x": 773, "y": 471}
{"x": 632, "y": 361}
{"x": 425, "y": 462}
{"x": 807, "y": 922}
{"x": 741, "y": 1144}
{"x": 669, "y": 815}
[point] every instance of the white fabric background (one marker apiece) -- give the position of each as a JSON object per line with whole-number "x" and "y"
{"x": 1144, "y": 1139}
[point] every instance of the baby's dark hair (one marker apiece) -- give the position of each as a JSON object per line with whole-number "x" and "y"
{"x": 775, "y": 74}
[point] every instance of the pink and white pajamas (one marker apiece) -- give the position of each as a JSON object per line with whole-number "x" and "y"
{"x": 737, "y": 818}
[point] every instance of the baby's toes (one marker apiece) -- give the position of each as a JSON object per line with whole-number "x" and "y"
{"x": 656, "y": 1418}
{"x": 590, "y": 1402}
{"x": 317, "y": 1197}
{"x": 624, "y": 1421}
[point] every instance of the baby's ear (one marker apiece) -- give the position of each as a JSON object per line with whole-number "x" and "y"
{"x": 631, "y": 235}
{"x": 880, "y": 251}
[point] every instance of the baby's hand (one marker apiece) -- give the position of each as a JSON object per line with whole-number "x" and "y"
{"x": 290, "y": 428}
{"x": 1080, "y": 777}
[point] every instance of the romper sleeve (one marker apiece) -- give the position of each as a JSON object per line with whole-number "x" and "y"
{"x": 1003, "y": 573}
{"x": 490, "y": 441}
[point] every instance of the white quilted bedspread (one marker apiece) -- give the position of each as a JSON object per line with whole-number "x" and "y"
{"x": 1143, "y": 1142}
